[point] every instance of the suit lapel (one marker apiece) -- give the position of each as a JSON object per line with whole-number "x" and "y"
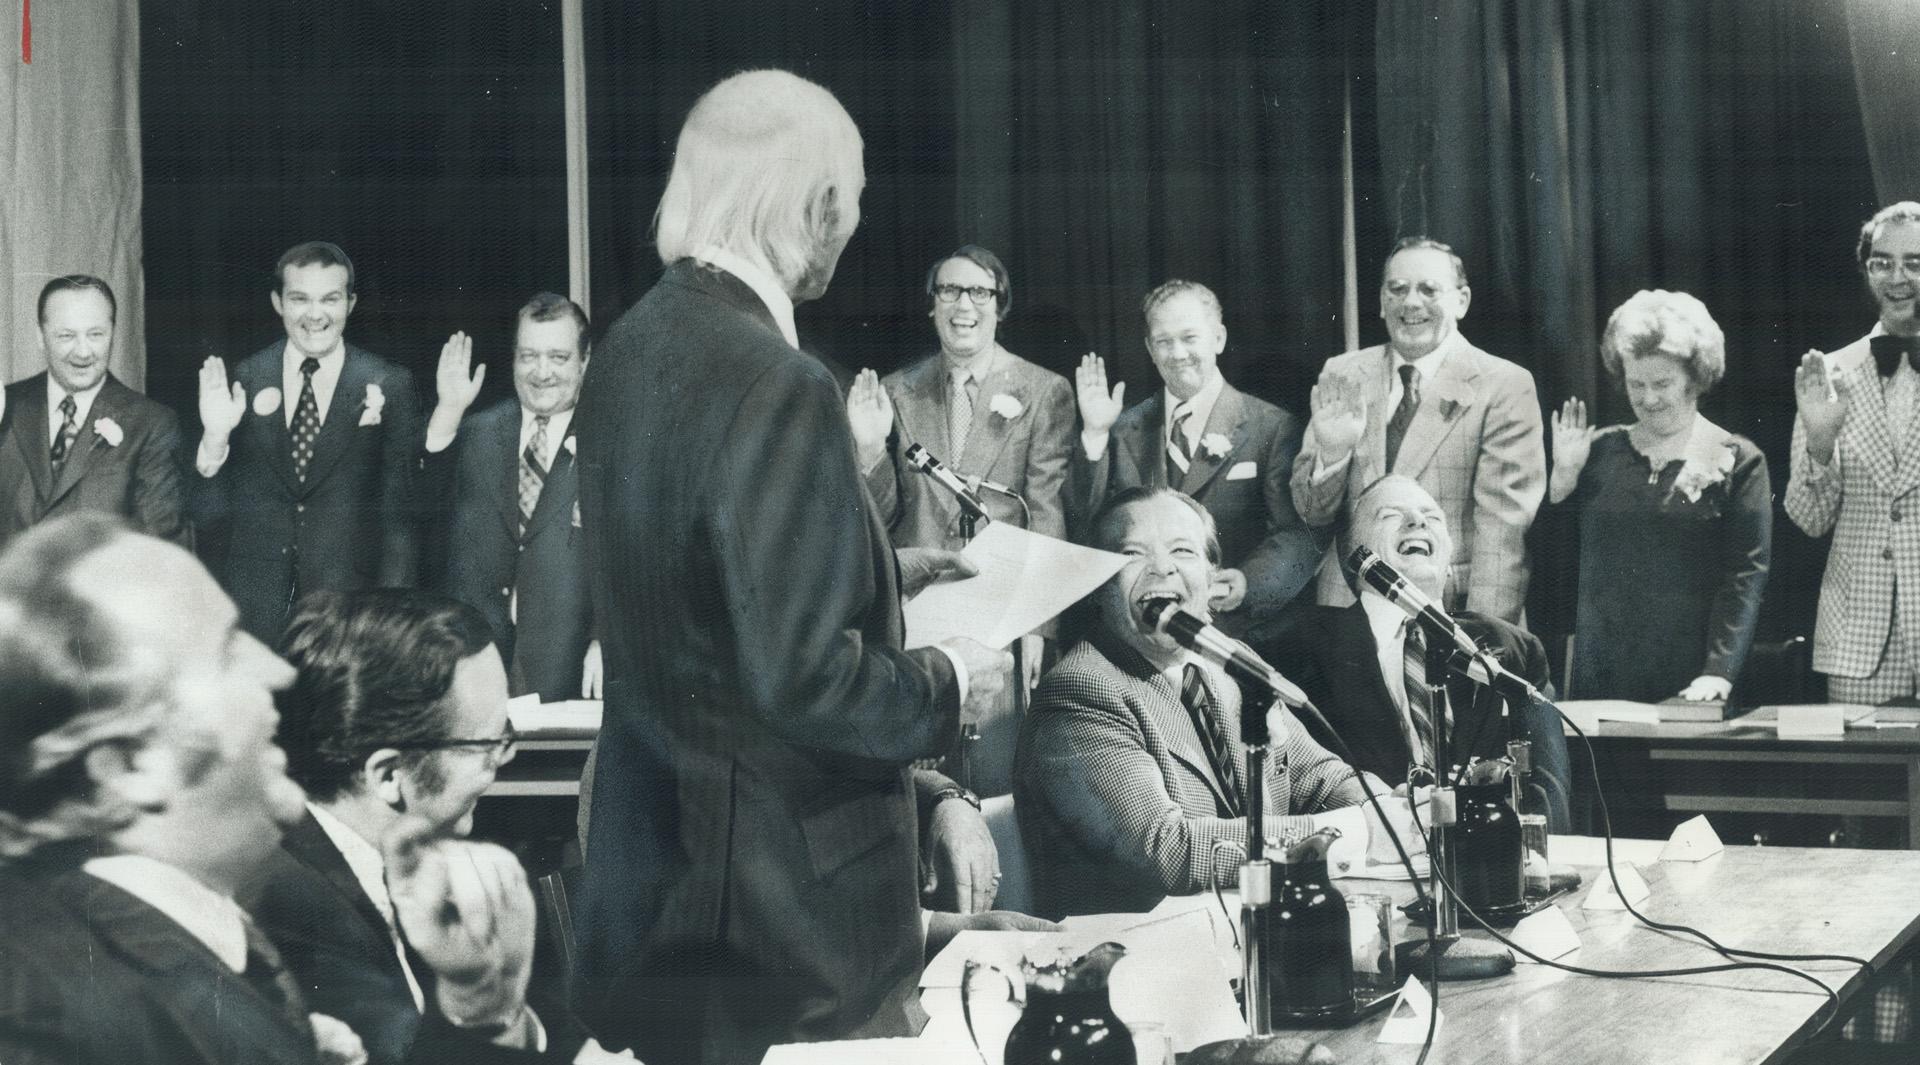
{"x": 31, "y": 434}
{"x": 1370, "y": 458}
{"x": 922, "y": 409}
{"x": 1224, "y": 420}
{"x": 1449, "y": 393}
{"x": 343, "y": 415}
{"x": 1872, "y": 437}
{"x": 990, "y": 430}
{"x": 108, "y": 404}
{"x": 258, "y": 374}
{"x": 1147, "y": 438}
{"x": 502, "y": 441}
{"x": 1360, "y": 663}
{"x": 555, "y": 497}
{"x": 1160, "y": 700}
{"x": 309, "y": 843}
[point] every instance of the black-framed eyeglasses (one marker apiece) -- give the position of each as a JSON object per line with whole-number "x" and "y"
{"x": 498, "y": 749}
{"x": 979, "y": 294}
{"x": 1882, "y": 265}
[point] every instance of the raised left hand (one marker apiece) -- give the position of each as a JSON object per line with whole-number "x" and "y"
{"x": 1228, "y": 591}
{"x": 959, "y": 865}
{"x": 1707, "y": 689}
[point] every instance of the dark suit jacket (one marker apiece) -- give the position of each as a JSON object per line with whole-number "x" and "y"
{"x": 1246, "y": 490}
{"x": 1027, "y": 453}
{"x": 336, "y": 943}
{"x": 488, "y": 560}
{"x": 1331, "y": 654}
{"x": 753, "y": 836}
{"x": 138, "y": 478}
{"x": 90, "y": 975}
{"x": 349, "y": 526}
{"x": 1117, "y": 802}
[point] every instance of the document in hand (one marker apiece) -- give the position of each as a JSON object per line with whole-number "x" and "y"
{"x": 1026, "y": 579}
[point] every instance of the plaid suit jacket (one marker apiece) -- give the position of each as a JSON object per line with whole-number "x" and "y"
{"x": 1476, "y": 445}
{"x": 1117, "y": 804}
{"x": 1863, "y": 499}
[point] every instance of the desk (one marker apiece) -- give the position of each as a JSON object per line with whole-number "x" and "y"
{"x": 546, "y": 766}
{"x": 1867, "y": 773}
{"x": 1789, "y": 900}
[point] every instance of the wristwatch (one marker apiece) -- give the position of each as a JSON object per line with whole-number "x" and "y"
{"x": 955, "y": 791}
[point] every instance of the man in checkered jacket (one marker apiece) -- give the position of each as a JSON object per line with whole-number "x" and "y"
{"x": 1130, "y": 770}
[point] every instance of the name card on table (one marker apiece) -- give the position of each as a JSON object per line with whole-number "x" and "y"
{"x": 1603, "y": 896}
{"x": 1547, "y": 933}
{"x": 1407, "y": 1021}
{"x": 1694, "y": 841}
{"x": 1822, "y": 719}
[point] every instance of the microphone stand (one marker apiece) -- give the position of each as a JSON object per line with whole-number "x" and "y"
{"x": 1256, "y": 875}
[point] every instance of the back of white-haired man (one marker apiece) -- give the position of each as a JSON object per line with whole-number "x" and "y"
{"x": 754, "y": 875}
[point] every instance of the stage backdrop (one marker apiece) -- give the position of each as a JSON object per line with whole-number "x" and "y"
{"x": 70, "y": 169}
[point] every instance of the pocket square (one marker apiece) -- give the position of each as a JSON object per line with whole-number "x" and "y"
{"x": 1241, "y": 471}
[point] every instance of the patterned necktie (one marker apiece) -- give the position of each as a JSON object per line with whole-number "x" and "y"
{"x": 1889, "y": 350}
{"x": 960, "y": 393}
{"x": 1403, "y": 414}
{"x": 306, "y": 420}
{"x": 1213, "y": 739}
{"x": 69, "y": 428}
{"x": 533, "y": 471}
{"x": 268, "y": 976}
{"x": 1179, "y": 448}
{"x": 1413, "y": 661}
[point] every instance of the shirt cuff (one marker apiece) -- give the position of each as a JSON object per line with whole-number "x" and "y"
{"x": 438, "y": 442}
{"x": 926, "y": 922}
{"x": 959, "y": 671}
{"x": 1324, "y": 471}
{"x": 1095, "y": 445}
{"x": 208, "y": 464}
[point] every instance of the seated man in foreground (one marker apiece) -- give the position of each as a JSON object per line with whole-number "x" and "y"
{"x": 1130, "y": 767}
{"x": 1363, "y": 664}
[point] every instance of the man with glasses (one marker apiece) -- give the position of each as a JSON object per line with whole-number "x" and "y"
{"x": 396, "y": 725}
{"x": 1430, "y": 405}
{"x": 985, "y": 413}
{"x": 1853, "y": 460}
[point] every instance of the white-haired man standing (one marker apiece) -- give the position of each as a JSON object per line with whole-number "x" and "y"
{"x": 753, "y": 835}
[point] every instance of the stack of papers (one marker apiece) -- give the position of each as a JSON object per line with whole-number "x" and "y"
{"x": 531, "y": 717}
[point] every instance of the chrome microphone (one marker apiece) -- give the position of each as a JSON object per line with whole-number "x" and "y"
{"x": 1395, "y": 588}
{"x": 921, "y": 459}
{"x": 1236, "y": 658}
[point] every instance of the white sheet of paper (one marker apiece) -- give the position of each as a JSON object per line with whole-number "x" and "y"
{"x": 1817, "y": 720}
{"x": 1547, "y": 933}
{"x": 1603, "y": 897}
{"x": 1025, "y": 580}
{"x": 874, "y": 1052}
{"x": 1694, "y": 840}
{"x": 530, "y": 715}
{"x": 1407, "y": 1021}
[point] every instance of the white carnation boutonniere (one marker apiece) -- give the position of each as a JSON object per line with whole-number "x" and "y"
{"x": 337, "y": 1043}
{"x": 376, "y": 401}
{"x": 1699, "y": 472}
{"x": 569, "y": 446}
{"x": 109, "y": 430}
{"x": 266, "y": 401}
{"x": 1215, "y": 445}
{"x": 576, "y": 513}
{"x": 1005, "y": 406}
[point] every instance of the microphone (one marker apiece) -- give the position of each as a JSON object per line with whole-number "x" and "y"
{"x": 921, "y": 459}
{"x": 1394, "y": 587}
{"x": 1222, "y": 650}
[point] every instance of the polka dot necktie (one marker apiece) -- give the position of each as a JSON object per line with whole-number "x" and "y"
{"x": 69, "y": 428}
{"x": 306, "y": 420}
{"x": 959, "y": 414}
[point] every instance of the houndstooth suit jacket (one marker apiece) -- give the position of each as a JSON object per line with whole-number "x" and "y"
{"x": 1117, "y": 804}
{"x": 1475, "y": 444}
{"x": 1863, "y": 498}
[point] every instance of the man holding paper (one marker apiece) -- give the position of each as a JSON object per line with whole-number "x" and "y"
{"x": 1130, "y": 772}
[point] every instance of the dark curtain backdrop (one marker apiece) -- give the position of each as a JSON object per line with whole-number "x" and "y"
{"x": 425, "y": 138}
{"x": 1575, "y": 151}
{"x": 1097, "y": 149}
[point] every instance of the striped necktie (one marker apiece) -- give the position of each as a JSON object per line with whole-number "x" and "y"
{"x": 1179, "y": 448}
{"x": 1213, "y": 739}
{"x": 1413, "y": 661}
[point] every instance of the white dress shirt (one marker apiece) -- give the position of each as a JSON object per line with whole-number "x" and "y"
{"x": 370, "y": 871}
{"x": 325, "y": 379}
{"x": 762, "y": 282}
{"x": 556, "y": 431}
{"x": 207, "y": 915}
{"x": 82, "y": 401}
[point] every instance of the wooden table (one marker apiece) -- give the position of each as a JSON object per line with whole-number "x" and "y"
{"x": 1789, "y": 900}
{"x": 1867, "y": 773}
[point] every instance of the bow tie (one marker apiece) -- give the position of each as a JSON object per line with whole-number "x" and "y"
{"x": 1888, "y": 350}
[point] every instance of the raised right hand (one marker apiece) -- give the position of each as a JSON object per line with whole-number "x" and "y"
{"x": 869, "y": 413}
{"x": 1099, "y": 408}
{"x": 1572, "y": 438}
{"x": 987, "y": 672}
{"x": 454, "y": 385}
{"x": 221, "y": 406}
{"x": 1339, "y": 416}
{"x": 1822, "y": 400}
